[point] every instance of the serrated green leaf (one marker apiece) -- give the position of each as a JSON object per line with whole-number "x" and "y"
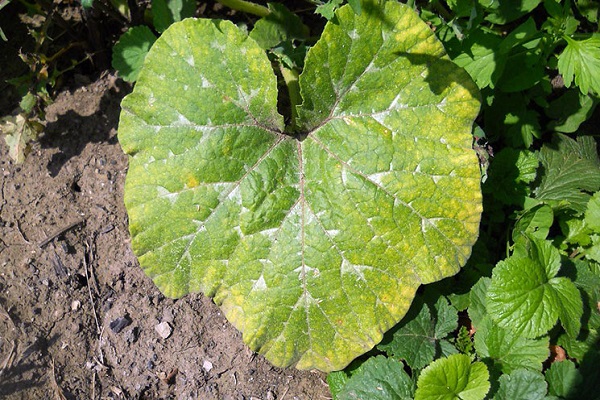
{"x": 580, "y": 62}
{"x": 379, "y": 378}
{"x": 313, "y": 244}
{"x": 166, "y": 12}
{"x": 279, "y": 26}
{"x": 522, "y": 384}
{"x": 563, "y": 379}
{"x": 131, "y": 50}
{"x": 526, "y": 296}
{"x": 328, "y": 8}
{"x": 453, "y": 378}
{"x": 417, "y": 340}
{"x": 571, "y": 168}
{"x": 507, "y": 350}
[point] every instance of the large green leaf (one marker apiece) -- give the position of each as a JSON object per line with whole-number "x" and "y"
{"x": 313, "y": 243}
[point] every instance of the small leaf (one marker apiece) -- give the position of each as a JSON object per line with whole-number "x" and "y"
{"x": 580, "y": 61}
{"x": 417, "y": 338}
{"x": 571, "y": 168}
{"x": 570, "y": 110}
{"x": 508, "y": 351}
{"x": 563, "y": 379}
{"x": 534, "y": 222}
{"x": 479, "y": 56}
{"x": 379, "y": 378}
{"x": 166, "y": 12}
{"x": 278, "y": 26}
{"x": 522, "y": 384}
{"x": 328, "y": 8}
{"x": 130, "y": 51}
{"x": 453, "y": 378}
{"x": 477, "y": 308}
{"x": 526, "y": 296}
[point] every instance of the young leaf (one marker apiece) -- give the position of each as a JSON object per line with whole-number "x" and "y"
{"x": 453, "y": 378}
{"x": 526, "y": 296}
{"x": 507, "y": 350}
{"x": 165, "y": 12}
{"x": 379, "y": 378}
{"x": 580, "y": 61}
{"x": 534, "y": 222}
{"x": 328, "y": 8}
{"x": 280, "y": 25}
{"x": 571, "y": 168}
{"x": 417, "y": 339}
{"x": 522, "y": 384}
{"x": 130, "y": 51}
{"x": 563, "y": 379}
{"x": 312, "y": 244}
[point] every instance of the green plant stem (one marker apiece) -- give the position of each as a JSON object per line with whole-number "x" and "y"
{"x": 290, "y": 76}
{"x": 246, "y": 6}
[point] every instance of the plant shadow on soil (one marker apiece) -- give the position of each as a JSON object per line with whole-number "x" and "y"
{"x": 67, "y": 275}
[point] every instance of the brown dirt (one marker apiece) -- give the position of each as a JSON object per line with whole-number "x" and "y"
{"x": 68, "y": 276}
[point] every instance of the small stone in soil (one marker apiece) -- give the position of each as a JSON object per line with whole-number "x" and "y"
{"x": 118, "y": 324}
{"x": 164, "y": 329}
{"x": 207, "y": 365}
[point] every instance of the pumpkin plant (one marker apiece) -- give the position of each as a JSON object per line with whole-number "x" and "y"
{"x": 312, "y": 235}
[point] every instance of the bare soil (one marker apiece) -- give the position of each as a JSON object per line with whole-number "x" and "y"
{"x": 78, "y": 316}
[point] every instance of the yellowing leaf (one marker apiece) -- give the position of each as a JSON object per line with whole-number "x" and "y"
{"x": 314, "y": 242}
